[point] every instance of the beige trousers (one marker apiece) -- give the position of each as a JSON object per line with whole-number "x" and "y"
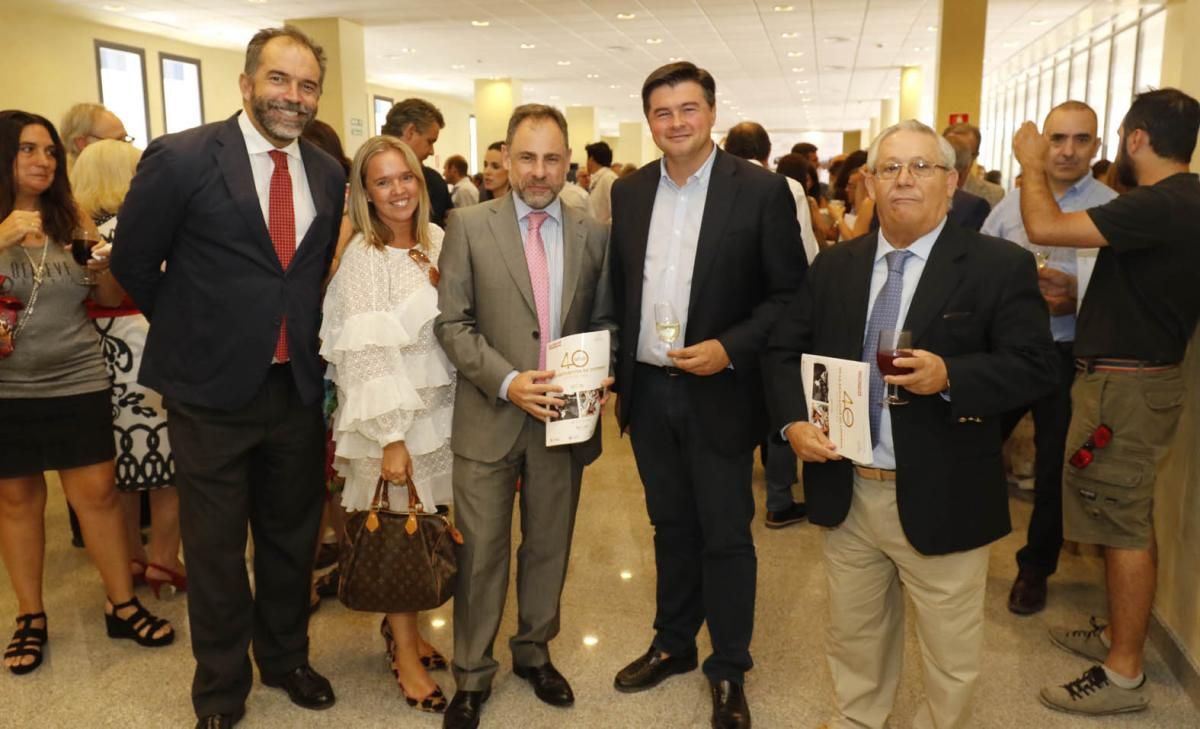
{"x": 867, "y": 561}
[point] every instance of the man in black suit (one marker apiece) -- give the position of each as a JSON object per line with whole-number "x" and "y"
{"x": 418, "y": 123}
{"x": 244, "y": 215}
{"x": 714, "y": 239}
{"x": 966, "y": 209}
{"x": 922, "y": 510}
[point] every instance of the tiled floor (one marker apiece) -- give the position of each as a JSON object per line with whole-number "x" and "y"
{"x": 91, "y": 681}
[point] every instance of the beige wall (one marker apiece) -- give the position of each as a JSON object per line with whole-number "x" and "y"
{"x": 49, "y": 64}
{"x": 455, "y": 137}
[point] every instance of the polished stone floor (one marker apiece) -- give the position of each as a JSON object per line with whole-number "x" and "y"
{"x": 91, "y": 681}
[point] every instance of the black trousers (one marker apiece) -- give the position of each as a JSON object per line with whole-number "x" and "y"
{"x": 260, "y": 465}
{"x": 1051, "y": 419}
{"x": 701, "y": 505}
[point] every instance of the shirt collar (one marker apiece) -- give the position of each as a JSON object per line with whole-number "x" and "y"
{"x": 554, "y": 209}
{"x": 256, "y": 143}
{"x": 921, "y": 247}
{"x": 700, "y": 176}
{"x": 1081, "y": 185}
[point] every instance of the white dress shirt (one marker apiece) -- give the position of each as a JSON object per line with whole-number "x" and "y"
{"x": 552, "y": 239}
{"x": 884, "y": 454}
{"x": 671, "y": 256}
{"x": 803, "y": 215}
{"x": 262, "y": 167}
{"x": 464, "y": 193}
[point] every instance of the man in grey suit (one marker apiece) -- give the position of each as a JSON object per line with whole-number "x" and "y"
{"x": 517, "y": 273}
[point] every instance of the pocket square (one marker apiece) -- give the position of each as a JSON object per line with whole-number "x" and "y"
{"x": 952, "y": 315}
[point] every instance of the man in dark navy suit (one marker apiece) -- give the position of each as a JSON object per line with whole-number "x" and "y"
{"x": 244, "y": 215}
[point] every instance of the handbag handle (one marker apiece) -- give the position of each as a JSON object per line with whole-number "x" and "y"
{"x": 380, "y": 500}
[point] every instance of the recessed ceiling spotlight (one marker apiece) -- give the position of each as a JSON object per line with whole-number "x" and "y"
{"x": 564, "y": 63}
{"x": 115, "y": 8}
{"x": 257, "y": 2}
{"x": 457, "y": 67}
{"x": 528, "y": 46}
{"x": 654, "y": 41}
{"x": 802, "y": 81}
{"x": 795, "y": 54}
{"x": 634, "y": 96}
{"x": 918, "y": 49}
{"x": 931, "y": 28}
{"x": 626, "y": 16}
{"x": 1009, "y": 44}
{"x": 789, "y": 35}
{"x": 797, "y": 69}
{"x": 673, "y": 59}
{"x": 593, "y": 75}
{"x": 614, "y": 86}
{"x": 783, "y": 8}
{"x": 481, "y": 23}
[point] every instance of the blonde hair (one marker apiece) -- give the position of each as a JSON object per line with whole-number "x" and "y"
{"x": 361, "y": 212}
{"x": 101, "y": 176}
{"x": 77, "y": 123}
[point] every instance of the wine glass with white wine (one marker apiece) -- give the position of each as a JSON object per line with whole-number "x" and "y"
{"x": 1041, "y": 255}
{"x": 666, "y": 324}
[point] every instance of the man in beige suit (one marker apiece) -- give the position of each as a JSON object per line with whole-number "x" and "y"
{"x": 517, "y": 273}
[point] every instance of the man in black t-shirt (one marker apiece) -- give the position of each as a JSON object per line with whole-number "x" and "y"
{"x": 1140, "y": 311}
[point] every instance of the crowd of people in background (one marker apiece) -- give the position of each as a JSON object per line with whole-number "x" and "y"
{"x": 374, "y": 325}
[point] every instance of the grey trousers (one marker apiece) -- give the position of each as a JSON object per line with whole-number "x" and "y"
{"x": 483, "y": 506}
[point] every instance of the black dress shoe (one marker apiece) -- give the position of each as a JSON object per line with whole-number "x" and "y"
{"x": 548, "y": 684}
{"x": 794, "y": 514}
{"x": 220, "y": 721}
{"x": 464, "y": 709}
{"x": 1028, "y": 594}
{"x": 305, "y": 687}
{"x": 730, "y": 710}
{"x": 650, "y": 670}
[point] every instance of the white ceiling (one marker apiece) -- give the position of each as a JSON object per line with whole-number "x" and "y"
{"x": 822, "y": 64}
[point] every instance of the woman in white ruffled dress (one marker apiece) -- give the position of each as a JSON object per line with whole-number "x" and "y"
{"x": 395, "y": 387}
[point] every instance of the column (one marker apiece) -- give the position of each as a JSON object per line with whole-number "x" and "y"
{"x": 1181, "y": 54}
{"x": 851, "y": 141}
{"x": 581, "y": 126}
{"x": 873, "y": 130}
{"x": 629, "y": 146}
{"x": 889, "y": 113}
{"x": 495, "y": 99}
{"x": 961, "y": 42}
{"x": 910, "y": 92}
{"x": 344, "y": 98}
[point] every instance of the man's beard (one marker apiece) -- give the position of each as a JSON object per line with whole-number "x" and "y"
{"x": 1126, "y": 174}
{"x": 270, "y": 115}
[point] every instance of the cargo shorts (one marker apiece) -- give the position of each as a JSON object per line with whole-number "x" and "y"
{"x": 1110, "y": 500}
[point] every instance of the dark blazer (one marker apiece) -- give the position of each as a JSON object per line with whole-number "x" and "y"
{"x": 968, "y": 210}
{"x": 440, "y": 202}
{"x": 749, "y": 263}
{"x": 978, "y": 307}
{"x": 216, "y": 308}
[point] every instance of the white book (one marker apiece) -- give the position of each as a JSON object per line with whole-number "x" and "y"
{"x": 837, "y": 392}
{"x": 580, "y": 364}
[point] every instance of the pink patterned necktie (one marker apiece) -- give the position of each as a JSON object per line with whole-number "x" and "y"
{"x": 539, "y": 276}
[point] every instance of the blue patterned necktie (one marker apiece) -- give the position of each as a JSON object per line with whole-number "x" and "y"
{"x": 885, "y": 314}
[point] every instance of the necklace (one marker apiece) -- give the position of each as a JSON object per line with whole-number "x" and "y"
{"x": 39, "y": 273}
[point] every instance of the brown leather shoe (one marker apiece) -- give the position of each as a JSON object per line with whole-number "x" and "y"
{"x": 1028, "y": 594}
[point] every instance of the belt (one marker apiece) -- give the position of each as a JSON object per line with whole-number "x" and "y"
{"x": 875, "y": 474}
{"x": 1109, "y": 364}
{"x": 668, "y": 371}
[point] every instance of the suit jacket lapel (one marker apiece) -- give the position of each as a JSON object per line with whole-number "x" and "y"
{"x": 718, "y": 205}
{"x": 858, "y": 292}
{"x": 507, "y": 233}
{"x": 941, "y": 277}
{"x": 574, "y": 239}
{"x": 234, "y": 162}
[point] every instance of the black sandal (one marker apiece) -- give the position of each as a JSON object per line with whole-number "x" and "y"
{"x": 27, "y": 641}
{"x": 140, "y": 626}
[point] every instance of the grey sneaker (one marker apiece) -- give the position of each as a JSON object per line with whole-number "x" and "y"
{"x": 1086, "y": 643}
{"x": 1093, "y": 694}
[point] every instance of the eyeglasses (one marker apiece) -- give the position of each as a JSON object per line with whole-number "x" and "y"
{"x": 918, "y": 167}
{"x": 1098, "y": 440}
{"x": 127, "y": 139}
{"x": 418, "y": 256}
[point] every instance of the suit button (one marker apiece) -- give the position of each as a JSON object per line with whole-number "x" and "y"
{"x": 535, "y": 334}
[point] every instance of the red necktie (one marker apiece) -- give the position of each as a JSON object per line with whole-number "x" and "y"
{"x": 281, "y": 223}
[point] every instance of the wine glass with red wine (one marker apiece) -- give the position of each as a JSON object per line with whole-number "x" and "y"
{"x": 893, "y": 343}
{"x": 82, "y": 243}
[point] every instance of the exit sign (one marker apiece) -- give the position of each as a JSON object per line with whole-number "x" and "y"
{"x": 960, "y": 118}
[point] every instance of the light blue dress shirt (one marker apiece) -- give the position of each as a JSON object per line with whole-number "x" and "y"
{"x": 671, "y": 256}
{"x": 552, "y": 239}
{"x": 1005, "y": 222}
{"x": 884, "y": 454}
